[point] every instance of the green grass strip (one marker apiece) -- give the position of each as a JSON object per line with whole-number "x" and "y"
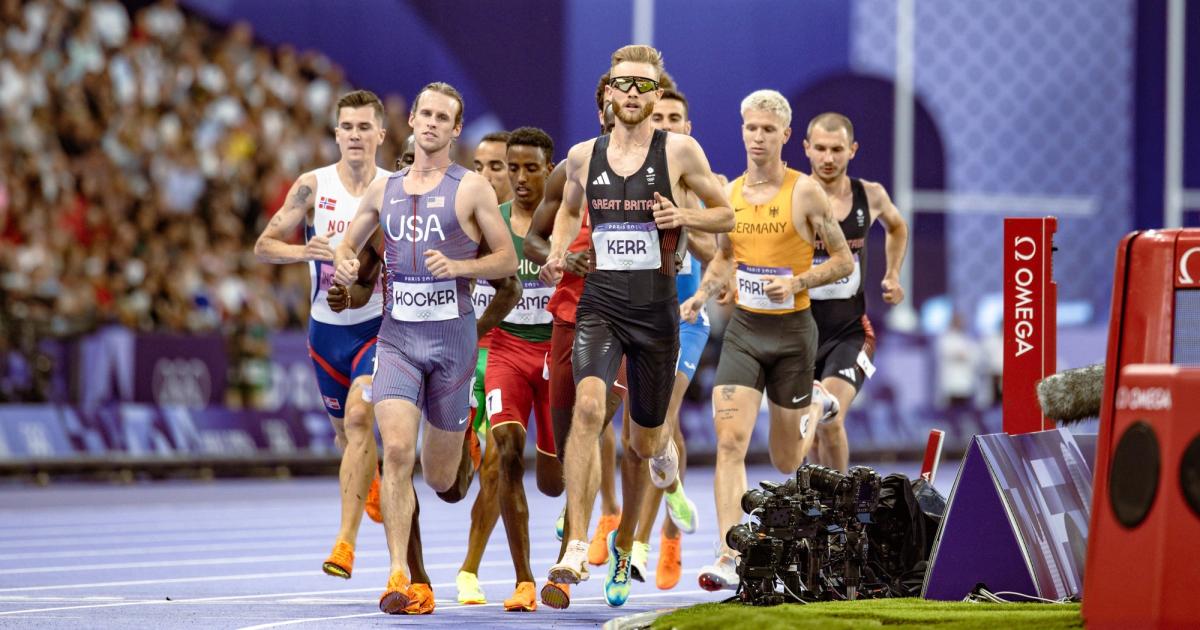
{"x": 892, "y": 613}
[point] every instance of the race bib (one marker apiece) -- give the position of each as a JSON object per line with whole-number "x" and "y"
{"x": 686, "y": 269}
{"x": 626, "y": 246}
{"x": 752, "y": 288}
{"x": 841, "y": 289}
{"x": 325, "y": 279}
{"x": 481, "y": 297}
{"x": 532, "y": 307}
{"x": 424, "y": 299}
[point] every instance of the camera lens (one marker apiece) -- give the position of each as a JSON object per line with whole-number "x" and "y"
{"x": 740, "y": 538}
{"x": 824, "y": 479}
{"x": 754, "y": 499}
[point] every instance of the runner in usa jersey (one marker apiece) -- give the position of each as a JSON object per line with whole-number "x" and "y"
{"x": 629, "y": 308}
{"x": 433, "y": 216}
{"x": 341, "y": 345}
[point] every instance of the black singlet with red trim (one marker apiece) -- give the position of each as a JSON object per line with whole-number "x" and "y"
{"x": 615, "y": 199}
{"x": 835, "y": 316}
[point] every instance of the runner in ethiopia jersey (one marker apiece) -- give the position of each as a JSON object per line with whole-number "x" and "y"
{"x": 517, "y": 383}
{"x": 341, "y": 344}
{"x": 846, "y": 343}
{"x": 433, "y": 215}
{"x": 629, "y": 306}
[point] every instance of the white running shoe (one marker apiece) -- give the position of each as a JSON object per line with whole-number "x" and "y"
{"x": 829, "y": 403}
{"x": 664, "y": 469}
{"x": 720, "y": 575}
{"x": 573, "y": 567}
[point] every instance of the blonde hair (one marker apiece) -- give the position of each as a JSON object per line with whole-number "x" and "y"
{"x": 769, "y": 101}
{"x": 638, "y": 53}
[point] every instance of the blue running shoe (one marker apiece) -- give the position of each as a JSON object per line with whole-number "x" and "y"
{"x": 619, "y": 577}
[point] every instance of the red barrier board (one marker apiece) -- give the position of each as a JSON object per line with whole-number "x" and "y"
{"x": 1030, "y": 320}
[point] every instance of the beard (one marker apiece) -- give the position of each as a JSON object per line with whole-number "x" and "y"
{"x": 636, "y": 117}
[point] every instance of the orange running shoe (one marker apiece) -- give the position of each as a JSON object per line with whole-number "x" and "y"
{"x": 523, "y": 599}
{"x": 394, "y": 600}
{"x": 340, "y": 562}
{"x": 474, "y": 448}
{"x": 598, "y": 550}
{"x": 372, "y": 505}
{"x": 555, "y": 595}
{"x": 670, "y": 563}
{"x": 420, "y": 600}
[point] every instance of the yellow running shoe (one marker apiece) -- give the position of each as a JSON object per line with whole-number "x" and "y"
{"x": 469, "y": 592}
{"x": 598, "y": 549}
{"x": 522, "y": 600}
{"x": 340, "y": 562}
{"x": 394, "y": 600}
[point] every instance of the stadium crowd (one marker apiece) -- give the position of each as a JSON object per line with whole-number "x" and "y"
{"x": 140, "y": 154}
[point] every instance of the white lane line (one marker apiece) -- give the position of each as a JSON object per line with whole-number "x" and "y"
{"x": 260, "y": 513}
{"x": 252, "y": 576}
{"x": 202, "y": 533}
{"x": 582, "y": 601}
{"x": 505, "y": 563}
{"x": 142, "y": 550}
{"x": 315, "y": 557}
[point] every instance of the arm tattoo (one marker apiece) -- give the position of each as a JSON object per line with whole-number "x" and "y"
{"x": 831, "y": 233}
{"x": 712, "y": 286}
{"x": 301, "y": 196}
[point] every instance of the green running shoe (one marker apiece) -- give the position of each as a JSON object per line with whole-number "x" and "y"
{"x": 682, "y": 511}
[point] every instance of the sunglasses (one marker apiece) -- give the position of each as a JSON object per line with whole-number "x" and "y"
{"x": 643, "y": 85}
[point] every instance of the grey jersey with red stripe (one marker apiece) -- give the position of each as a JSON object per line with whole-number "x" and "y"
{"x": 413, "y": 225}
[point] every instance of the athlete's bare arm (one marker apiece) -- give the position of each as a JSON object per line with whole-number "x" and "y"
{"x": 365, "y": 222}
{"x": 695, "y": 175}
{"x": 715, "y": 282}
{"x": 571, "y": 209}
{"x": 537, "y": 245}
{"x": 508, "y": 293}
{"x": 702, "y": 245}
{"x": 895, "y": 242}
{"x": 484, "y": 210}
{"x": 569, "y": 216}
{"x": 272, "y": 246}
{"x": 810, "y": 206}
{"x": 358, "y": 294}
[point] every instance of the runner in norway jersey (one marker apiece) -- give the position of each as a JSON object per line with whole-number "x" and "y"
{"x": 341, "y": 345}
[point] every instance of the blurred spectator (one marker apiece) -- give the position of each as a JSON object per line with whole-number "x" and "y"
{"x": 133, "y": 177}
{"x": 958, "y": 357}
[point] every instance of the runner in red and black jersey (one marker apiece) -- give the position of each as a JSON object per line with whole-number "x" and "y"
{"x": 846, "y": 343}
